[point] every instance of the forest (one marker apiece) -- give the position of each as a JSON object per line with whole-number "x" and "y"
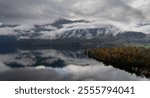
{"x": 130, "y": 58}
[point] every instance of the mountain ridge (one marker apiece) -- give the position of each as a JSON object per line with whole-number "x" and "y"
{"x": 64, "y": 28}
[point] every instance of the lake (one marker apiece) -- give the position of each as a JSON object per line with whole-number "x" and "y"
{"x": 59, "y": 65}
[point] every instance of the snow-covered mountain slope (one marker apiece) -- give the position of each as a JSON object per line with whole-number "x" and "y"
{"x": 81, "y": 30}
{"x": 61, "y": 29}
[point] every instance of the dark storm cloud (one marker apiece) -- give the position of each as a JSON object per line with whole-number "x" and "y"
{"x": 38, "y": 11}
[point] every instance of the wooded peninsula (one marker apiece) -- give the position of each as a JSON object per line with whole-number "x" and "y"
{"x": 128, "y": 58}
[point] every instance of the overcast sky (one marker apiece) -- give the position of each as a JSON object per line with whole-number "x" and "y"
{"x": 41, "y": 11}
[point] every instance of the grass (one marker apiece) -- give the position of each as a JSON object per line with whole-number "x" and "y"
{"x": 145, "y": 45}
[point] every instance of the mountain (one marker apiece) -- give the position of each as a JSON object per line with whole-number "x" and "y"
{"x": 68, "y": 29}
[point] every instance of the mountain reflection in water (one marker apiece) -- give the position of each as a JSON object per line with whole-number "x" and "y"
{"x": 50, "y": 64}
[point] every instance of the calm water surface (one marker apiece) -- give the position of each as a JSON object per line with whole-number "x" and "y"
{"x": 51, "y": 64}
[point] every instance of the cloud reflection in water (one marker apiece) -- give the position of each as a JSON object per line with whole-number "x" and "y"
{"x": 70, "y": 72}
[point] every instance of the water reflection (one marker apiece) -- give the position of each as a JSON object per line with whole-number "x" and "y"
{"x": 70, "y": 72}
{"x": 58, "y": 65}
{"x": 139, "y": 71}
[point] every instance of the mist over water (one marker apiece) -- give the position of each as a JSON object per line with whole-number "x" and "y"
{"x": 59, "y": 65}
